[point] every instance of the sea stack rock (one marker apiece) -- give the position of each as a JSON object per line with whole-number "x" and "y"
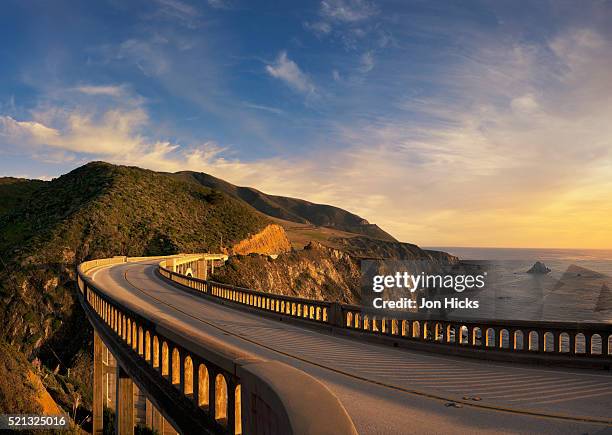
{"x": 539, "y": 268}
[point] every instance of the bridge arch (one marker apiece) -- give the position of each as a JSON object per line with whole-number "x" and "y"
{"x": 549, "y": 342}
{"x": 128, "y": 333}
{"x": 534, "y": 339}
{"x": 203, "y": 386}
{"x": 155, "y": 352}
{"x": 476, "y": 336}
{"x": 375, "y": 327}
{"x": 140, "y": 341}
{"x": 176, "y": 367}
{"x": 366, "y": 322}
{"x": 580, "y": 343}
{"x": 518, "y": 340}
{"x": 147, "y": 352}
{"x": 596, "y": 344}
{"x": 165, "y": 358}
{"x": 238, "y": 410}
{"x": 564, "y": 342}
{"x": 188, "y": 376}
{"x": 451, "y": 334}
{"x": 504, "y": 339}
{"x": 464, "y": 335}
{"x": 134, "y": 335}
{"x": 221, "y": 399}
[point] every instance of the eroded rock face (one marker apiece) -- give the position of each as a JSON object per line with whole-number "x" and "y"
{"x": 316, "y": 272}
{"x": 272, "y": 240}
{"x": 539, "y": 268}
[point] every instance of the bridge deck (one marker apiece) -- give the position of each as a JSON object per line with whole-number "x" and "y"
{"x": 385, "y": 390}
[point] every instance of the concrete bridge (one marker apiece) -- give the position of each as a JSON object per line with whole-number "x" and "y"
{"x": 181, "y": 354}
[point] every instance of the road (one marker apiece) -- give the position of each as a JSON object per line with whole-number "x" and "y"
{"x": 385, "y": 390}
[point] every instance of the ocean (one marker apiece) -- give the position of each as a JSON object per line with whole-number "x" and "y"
{"x": 578, "y": 287}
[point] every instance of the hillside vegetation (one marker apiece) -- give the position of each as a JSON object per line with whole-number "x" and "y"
{"x": 13, "y": 191}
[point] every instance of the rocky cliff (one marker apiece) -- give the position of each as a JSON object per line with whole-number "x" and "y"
{"x": 316, "y": 272}
{"x": 272, "y": 240}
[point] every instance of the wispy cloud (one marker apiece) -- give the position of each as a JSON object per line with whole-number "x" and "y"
{"x": 180, "y": 11}
{"x": 109, "y": 90}
{"x": 289, "y": 72}
{"x": 147, "y": 55}
{"x": 367, "y": 62}
{"x": 346, "y": 16}
{"x": 348, "y": 11}
{"x": 274, "y": 110}
{"x": 220, "y": 4}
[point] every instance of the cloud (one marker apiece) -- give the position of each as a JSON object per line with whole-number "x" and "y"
{"x": 524, "y": 104}
{"x": 348, "y": 11}
{"x": 147, "y": 55}
{"x": 319, "y": 28}
{"x": 109, "y": 90}
{"x": 219, "y": 4}
{"x": 344, "y": 18}
{"x": 29, "y": 131}
{"x": 288, "y": 71}
{"x": 367, "y": 62}
{"x": 180, "y": 11}
{"x": 262, "y": 107}
{"x": 107, "y": 133}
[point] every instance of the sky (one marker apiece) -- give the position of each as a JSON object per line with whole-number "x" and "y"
{"x": 472, "y": 123}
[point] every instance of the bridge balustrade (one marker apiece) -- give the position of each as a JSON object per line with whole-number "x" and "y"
{"x": 578, "y": 339}
{"x": 306, "y": 309}
{"x": 574, "y": 340}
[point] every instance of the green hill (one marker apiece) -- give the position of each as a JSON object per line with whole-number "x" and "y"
{"x": 100, "y": 209}
{"x": 13, "y": 191}
{"x": 291, "y": 209}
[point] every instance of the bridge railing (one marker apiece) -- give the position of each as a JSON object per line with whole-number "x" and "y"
{"x": 576, "y": 341}
{"x": 230, "y": 391}
{"x": 306, "y": 309}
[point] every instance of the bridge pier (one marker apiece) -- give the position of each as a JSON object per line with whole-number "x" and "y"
{"x": 202, "y": 271}
{"x": 124, "y": 424}
{"x": 98, "y": 385}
